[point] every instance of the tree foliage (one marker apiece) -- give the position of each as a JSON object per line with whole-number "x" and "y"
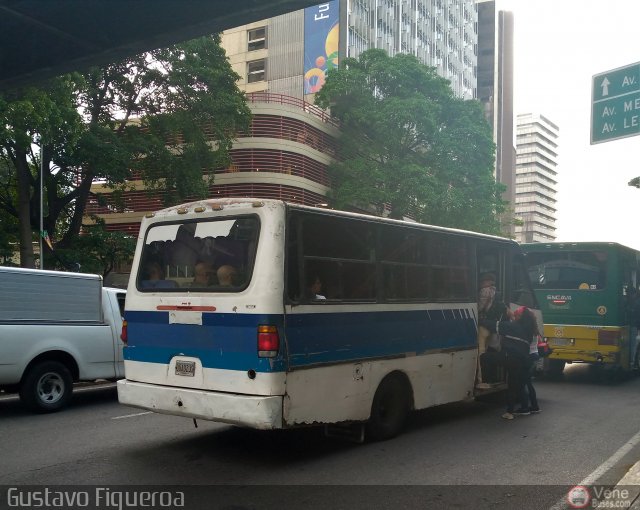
{"x": 163, "y": 117}
{"x": 96, "y": 251}
{"x": 408, "y": 146}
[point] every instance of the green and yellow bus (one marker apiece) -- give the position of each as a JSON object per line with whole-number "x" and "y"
{"x": 582, "y": 289}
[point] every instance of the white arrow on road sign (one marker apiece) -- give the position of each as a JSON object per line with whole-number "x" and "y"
{"x": 605, "y": 87}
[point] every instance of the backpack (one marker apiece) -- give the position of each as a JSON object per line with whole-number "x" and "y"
{"x": 544, "y": 349}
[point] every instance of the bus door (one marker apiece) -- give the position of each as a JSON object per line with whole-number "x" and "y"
{"x": 491, "y": 266}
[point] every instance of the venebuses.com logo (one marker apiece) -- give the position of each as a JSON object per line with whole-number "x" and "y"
{"x": 578, "y": 497}
{"x": 581, "y": 496}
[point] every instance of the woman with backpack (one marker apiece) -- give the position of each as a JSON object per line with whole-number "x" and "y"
{"x": 517, "y": 336}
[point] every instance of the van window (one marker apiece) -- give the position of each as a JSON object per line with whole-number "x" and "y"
{"x": 204, "y": 256}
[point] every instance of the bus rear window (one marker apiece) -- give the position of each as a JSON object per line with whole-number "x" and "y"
{"x": 203, "y": 256}
{"x": 584, "y": 270}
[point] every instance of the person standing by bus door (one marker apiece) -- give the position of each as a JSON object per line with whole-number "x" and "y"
{"x": 516, "y": 340}
{"x": 633, "y": 319}
{"x": 529, "y": 400}
{"x": 631, "y": 310}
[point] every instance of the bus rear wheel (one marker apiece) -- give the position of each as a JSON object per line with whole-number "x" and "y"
{"x": 390, "y": 408}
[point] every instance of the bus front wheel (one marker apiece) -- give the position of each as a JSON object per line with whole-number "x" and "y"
{"x": 390, "y": 408}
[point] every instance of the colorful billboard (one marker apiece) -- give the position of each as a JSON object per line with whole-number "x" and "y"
{"x": 321, "y": 36}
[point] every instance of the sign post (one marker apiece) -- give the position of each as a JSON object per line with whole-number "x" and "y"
{"x": 615, "y": 104}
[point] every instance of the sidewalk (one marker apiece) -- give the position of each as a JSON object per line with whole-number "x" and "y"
{"x": 631, "y": 483}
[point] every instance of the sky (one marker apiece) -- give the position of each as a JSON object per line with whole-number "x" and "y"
{"x": 559, "y": 46}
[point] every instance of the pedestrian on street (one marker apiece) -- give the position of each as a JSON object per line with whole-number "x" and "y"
{"x": 516, "y": 336}
{"x": 529, "y": 400}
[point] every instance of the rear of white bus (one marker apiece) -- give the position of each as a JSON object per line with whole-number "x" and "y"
{"x": 204, "y": 314}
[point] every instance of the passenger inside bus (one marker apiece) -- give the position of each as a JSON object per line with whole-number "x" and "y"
{"x": 315, "y": 289}
{"x": 203, "y": 273}
{"x": 227, "y": 275}
{"x": 153, "y": 277}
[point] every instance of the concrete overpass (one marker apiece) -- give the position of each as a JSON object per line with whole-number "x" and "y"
{"x": 40, "y": 39}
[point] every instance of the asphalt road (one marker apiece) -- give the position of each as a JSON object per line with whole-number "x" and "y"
{"x": 447, "y": 457}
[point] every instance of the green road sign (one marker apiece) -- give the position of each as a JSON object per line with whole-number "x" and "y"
{"x": 615, "y": 104}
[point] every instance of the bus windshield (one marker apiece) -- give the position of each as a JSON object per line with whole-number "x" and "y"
{"x": 585, "y": 270}
{"x": 205, "y": 256}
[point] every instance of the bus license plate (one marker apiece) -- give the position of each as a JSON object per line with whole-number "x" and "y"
{"x": 560, "y": 341}
{"x": 187, "y": 368}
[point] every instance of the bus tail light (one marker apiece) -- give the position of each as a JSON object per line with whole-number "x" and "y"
{"x": 124, "y": 333}
{"x": 268, "y": 341}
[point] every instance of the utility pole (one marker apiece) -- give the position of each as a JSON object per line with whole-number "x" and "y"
{"x": 41, "y": 202}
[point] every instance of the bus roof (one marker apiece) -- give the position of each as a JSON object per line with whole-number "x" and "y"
{"x": 257, "y": 202}
{"x": 583, "y": 245}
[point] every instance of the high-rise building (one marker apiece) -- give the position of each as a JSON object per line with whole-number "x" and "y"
{"x": 495, "y": 91}
{"x": 536, "y": 178}
{"x": 283, "y": 61}
{"x": 288, "y": 54}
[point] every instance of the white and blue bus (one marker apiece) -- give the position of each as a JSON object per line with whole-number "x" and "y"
{"x": 328, "y": 318}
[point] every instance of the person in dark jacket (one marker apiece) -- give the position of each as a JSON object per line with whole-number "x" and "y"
{"x": 516, "y": 336}
{"x": 529, "y": 398}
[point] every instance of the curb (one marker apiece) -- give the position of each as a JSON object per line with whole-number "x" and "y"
{"x": 632, "y": 477}
{"x": 631, "y": 483}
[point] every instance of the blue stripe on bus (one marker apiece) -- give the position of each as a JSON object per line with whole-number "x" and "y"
{"x": 229, "y": 341}
{"x": 326, "y": 338}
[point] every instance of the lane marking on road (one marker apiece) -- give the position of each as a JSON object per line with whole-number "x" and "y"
{"x": 96, "y": 387}
{"x": 563, "y": 503}
{"x": 131, "y": 415}
{"x": 103, "y": 386}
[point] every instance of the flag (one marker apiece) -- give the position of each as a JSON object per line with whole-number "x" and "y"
{"x": 47, "y": 239}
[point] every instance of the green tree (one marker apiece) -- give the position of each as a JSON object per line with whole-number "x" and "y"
{"x": 96, "y": 251}
{"x": 8, "y": 223}
{"x": 164, "y": 116}
{"x": 408, "y": 146}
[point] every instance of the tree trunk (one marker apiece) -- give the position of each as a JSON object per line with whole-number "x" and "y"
{"x": 80, "y": 204}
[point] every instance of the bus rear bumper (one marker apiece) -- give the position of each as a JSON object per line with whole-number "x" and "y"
{"x": 259, "y": 412}
{"x": 584, "y": 356}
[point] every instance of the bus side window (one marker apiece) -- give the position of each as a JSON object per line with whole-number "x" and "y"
{"x": 339, "y": 252}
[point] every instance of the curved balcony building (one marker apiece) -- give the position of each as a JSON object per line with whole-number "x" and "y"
{"x": 284, "y": 155}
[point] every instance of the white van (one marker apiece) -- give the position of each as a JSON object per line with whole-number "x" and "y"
{"x": 57, "y": 328}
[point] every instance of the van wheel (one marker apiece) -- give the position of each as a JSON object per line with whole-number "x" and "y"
{"x": 46, "y": 387}
{"x": 390, "y": 408}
